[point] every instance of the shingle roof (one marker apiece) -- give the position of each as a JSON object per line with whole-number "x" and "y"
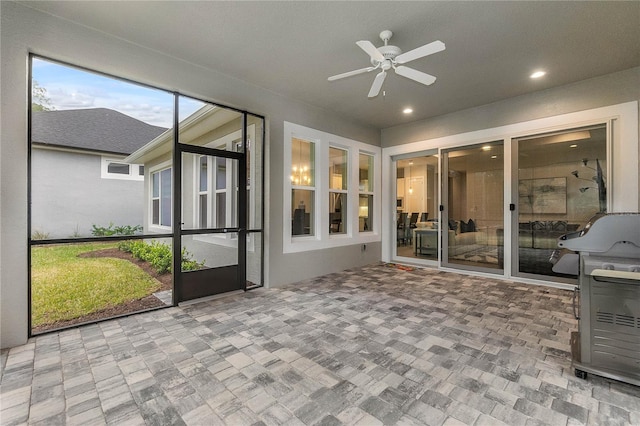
{"x": 97, "y": 129}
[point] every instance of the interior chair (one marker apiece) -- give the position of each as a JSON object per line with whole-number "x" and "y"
{"x": 335, "y": 221}
{"x": 403, "y": 227}
{"x": 412, "y": 225}
{"x": 424, "y": 217}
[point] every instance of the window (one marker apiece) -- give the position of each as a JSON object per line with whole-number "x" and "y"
{"x": 302, "y": 187}
{"x": 330, "y": 195}
{"x": 338, "y": 178}
{"x": 161, "y": 198}
{"x": 118, "y": 168}
{"x": 113, "y": 168}
{"x": 203, "y": 195}
{"x": 365, "y": 189}
{"x": 221, "y": 192}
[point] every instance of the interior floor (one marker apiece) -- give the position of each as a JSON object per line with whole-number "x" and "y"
{"x": 367, "y": 346}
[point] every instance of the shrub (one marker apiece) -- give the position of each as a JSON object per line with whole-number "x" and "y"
{"x": 159, "y": 255}
{"x": 188, "y": 264}
{"x": 101, "y": 231}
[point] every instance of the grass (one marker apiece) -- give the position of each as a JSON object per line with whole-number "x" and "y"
{"x": 65, "y": 286}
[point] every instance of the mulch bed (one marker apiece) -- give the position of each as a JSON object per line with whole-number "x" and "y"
{"x": 132, "y": 306}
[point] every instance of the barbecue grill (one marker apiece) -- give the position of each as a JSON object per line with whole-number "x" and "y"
{"x": 607, "y": 299}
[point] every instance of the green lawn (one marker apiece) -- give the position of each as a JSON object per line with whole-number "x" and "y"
{"x": 64, "y": 286}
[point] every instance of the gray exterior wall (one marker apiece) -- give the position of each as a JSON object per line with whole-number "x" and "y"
{"x": 25, "y": 30}
{"x": 69, "y": 196}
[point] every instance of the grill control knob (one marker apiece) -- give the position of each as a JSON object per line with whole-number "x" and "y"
{"x": 607, "y": 267}
{"x": 634, "y": 268}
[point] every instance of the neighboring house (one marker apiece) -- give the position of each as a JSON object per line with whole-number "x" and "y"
{"x": 209, "y": 185}
{"x": 78, "y": 176}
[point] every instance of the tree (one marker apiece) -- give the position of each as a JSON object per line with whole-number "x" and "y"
{"x": 40, "y": 99}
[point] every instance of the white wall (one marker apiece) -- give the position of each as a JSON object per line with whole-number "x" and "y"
{"x": 24, "y": 30}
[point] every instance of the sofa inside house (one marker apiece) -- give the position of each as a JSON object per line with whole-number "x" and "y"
{"x": 536, "y": 242}
{"x": 465, "y": 239}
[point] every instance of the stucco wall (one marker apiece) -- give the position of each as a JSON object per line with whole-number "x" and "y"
{"x": 24, "y": 30}
{"x": 69, "y": 195}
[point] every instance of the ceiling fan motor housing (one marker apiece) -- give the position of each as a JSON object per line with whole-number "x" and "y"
{"x": 389, "y": 53}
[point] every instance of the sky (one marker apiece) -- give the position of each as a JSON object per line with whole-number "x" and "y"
{"x": 72, "y": 88}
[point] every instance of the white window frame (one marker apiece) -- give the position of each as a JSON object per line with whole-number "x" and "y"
{"x": 321, "y": 238}
{"x": 350, "y": 185}
{"x": 134, "y": 170}
{"x": 157, "y": 169}
{"x": 366, "y": 192}
{"x": 229, "y": 143}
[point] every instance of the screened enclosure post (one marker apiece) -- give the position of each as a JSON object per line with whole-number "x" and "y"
{"x": 242, "y": 208}
{"x": 177, "y": 205}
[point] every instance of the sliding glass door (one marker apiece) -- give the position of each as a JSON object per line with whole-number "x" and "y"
{"x": 416, "y": 229}
{"x": 473, "y": 205}
{"x": 561, "y": 184}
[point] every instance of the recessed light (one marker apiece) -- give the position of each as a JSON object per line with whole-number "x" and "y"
{"x": 573, "y": 146}
{"x": 486, "y": 148}
{"x": 494, "y": 156}
{"x": 407, "y": 110}
{"x": 538, "y": 74}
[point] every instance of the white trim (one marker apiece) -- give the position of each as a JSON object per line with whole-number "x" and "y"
{"x": 148, "y": 172}
{"x": 321, "y": 238}
{"x": 133, "y": 174}
{"x": 622, "y": 156}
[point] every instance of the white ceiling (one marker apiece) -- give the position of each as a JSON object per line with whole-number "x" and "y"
{"x": 292, "y": 47}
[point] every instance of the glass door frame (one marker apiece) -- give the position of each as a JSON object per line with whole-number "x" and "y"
{"x": 394, "y": 257}
{"x": 445, "y": 208}
{"x": 181, "y": 293}
{"x": 515, "y": 141}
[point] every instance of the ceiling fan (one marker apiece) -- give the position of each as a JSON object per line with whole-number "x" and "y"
{"x": 386, "y": 57}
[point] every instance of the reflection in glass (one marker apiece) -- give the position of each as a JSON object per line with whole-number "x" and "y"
{"x": 417, "y": 207}
{"x": 366, "y": 173}
{"x": 561, "y": 184}
{"x": 302, "y": 212}
{"x": 303, "y": 183}
{"x": 337, "y": 212}
{"x": 365, "y": 187}
{"x": 302, "y": 163}
{"x": 338, "y": 182}
{"x": 365, "y": 213}
{"x": 474, "y": 213}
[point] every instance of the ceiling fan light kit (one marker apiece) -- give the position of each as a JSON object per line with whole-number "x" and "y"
{"x": 388, "y": 57}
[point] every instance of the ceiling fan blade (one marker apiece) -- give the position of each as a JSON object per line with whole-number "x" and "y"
{"x": 370, "y": 49}
{"x": 419, "y": 52}
{"x": 377, "y": 84}
{"x": 350, "y": 73}
{"x": 415, "y": 75}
